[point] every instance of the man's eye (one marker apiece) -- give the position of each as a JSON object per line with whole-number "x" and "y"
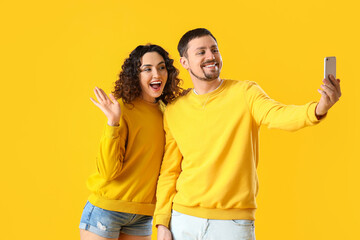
{"x": 201, "y": 52}
{"x": 215, "y": 50}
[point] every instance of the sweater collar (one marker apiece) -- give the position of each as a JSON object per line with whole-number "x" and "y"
{"x": 210, "y": 94}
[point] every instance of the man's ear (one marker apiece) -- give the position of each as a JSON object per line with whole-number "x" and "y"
{"x": 184, "y": 62}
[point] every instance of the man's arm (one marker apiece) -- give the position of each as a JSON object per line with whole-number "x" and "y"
{"x": 266, "y": 111}
{"x": 166, "y": 187}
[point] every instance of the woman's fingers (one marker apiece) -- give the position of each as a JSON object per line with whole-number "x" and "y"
{"x": 105, "y": 96}
{"x": 95, "y": 102}
{"x": 112, "y": 98}
{"x": 98, "y": 95}
{"x": 102, "y": 94}
{"x": 102, "y": 97}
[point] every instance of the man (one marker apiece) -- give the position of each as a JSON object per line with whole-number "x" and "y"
{"x": 208, "y": 181}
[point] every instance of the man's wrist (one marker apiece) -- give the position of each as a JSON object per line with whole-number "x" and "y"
{"x": 319, "y": 115}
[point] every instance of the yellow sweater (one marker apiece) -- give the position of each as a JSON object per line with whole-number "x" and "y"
{"x": 129, "y": 160}
{"x": 212, "y": 148}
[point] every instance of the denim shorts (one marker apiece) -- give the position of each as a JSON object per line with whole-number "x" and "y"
{"x": 109, "y": 224}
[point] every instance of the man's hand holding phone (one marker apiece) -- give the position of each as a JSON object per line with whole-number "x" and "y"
{"x": 330, "y": 89}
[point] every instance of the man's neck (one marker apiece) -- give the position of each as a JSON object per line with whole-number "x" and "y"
{"x": 203, "y": 87}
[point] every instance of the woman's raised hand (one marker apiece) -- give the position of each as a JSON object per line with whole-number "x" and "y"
{"x": 110, "y": 106}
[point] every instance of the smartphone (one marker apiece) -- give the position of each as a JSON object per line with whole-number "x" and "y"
{"x": 329, "y": 67}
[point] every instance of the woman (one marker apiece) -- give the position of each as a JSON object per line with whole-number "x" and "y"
{"x": 131, "y": 149}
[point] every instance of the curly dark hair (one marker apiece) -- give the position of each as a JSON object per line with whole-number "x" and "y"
{"x": 127, "y": 87}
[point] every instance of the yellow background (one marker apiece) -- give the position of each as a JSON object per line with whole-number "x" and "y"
{"x": 53, "y": 53}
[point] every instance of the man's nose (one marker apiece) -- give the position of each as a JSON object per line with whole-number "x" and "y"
{"x": 210, "y": 55}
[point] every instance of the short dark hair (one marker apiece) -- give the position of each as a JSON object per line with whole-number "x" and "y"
{"x": 190, "y": 35}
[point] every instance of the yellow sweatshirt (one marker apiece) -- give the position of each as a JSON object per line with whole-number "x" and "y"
{"x": 212, "y": 149}
{"x": 129, "y": 160}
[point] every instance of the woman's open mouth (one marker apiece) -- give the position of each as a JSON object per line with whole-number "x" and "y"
{"x": 155, "y": 85}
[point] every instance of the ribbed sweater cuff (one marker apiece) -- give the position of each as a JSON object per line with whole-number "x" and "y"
{"x": 311, "y": 113}
{"x": 111, "y": 131}
{"x": 162, "y": 220}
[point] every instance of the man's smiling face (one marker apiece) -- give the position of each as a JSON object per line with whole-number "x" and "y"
{"x": 203, "y": 59}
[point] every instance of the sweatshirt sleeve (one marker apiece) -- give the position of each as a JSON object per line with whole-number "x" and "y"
{"x": 169, "y": 173}
{"x": 110, "y": 157}
{"x": 273, "y": 114}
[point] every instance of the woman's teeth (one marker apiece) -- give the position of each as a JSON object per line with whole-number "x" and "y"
{"x": 155, "y": 85}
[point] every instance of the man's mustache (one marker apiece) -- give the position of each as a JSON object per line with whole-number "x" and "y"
{"x": 207, "y": 62}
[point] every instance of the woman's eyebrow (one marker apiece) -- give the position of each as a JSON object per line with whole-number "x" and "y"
{"x": 149, "y": 65}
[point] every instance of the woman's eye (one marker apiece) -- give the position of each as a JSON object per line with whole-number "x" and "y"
{"x": 147, "y": 70}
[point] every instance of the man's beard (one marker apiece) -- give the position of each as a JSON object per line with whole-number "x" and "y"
{"x": 207, "y": 77}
